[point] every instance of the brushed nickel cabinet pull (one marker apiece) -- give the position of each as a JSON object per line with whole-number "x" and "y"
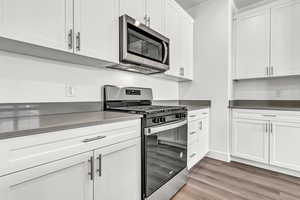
{"x": 192, "y": 133}
{"x": 271, "y": 126}
{"x": 70, "y": 39}
{"x": 91, "y": 173}
{"x": 78, "y": 42}
{"x": 99, "y": 170}
{"x": 93, "y": 139}
{"x": 193, "y": 155}
{"x": 269, "y": 115}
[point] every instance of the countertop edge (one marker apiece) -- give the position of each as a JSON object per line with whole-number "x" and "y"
{"x": 38, "y": 131}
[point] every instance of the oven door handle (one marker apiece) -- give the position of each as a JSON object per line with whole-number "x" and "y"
{"x": 153, "y": 130}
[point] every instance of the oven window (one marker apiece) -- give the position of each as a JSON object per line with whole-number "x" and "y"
{"x": 143, "y": 44}
{"x": 166, "y": 155}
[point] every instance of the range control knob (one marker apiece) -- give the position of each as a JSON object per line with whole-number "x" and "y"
{"x": 162, "y": 119}
{"x": 155, "y": 120}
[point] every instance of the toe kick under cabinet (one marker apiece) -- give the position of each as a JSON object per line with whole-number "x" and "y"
{"x": 198, "y": 136}
{"x": 268, "y": 137}
{"x": 92, "y": 163}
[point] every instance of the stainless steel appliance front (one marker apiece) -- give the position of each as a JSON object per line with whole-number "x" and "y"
{"x": 165, "y": 159}
{"x": 142, "y": 49}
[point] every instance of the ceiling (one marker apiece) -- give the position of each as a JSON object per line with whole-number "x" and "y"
{"x": 186, "y": 4}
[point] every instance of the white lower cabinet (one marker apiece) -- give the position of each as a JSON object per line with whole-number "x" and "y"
{"x": 198, "y": 136}
{"x": 285, "y": 145}
{"x": 268, "y": 137}
{"x": 92, "y": 163}
{"x": 118, "y": 172}
{"x": 60, "y": 180}
{"x": 250, "y": 140}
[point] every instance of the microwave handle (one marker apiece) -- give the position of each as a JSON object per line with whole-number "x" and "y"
{"x": 153, "y": 130}
{"x": 166, "y": 53}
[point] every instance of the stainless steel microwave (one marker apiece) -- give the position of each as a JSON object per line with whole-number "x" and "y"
{"x": 142, "y": 49}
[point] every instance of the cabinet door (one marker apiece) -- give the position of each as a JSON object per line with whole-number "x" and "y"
{"x": 285, "y": 41}
{"x": 134, "y": 8}
{"x": 43, "y": 23}
{"x": 118, "y": 172}
{"x": 97, "y": 23}
{"x": 173, "y": 33}
{"x": 156, "y": 12}
{"x": 252, "y": 46}
{"x": 250, "y": 140}
{"x": 284, "y": 145}
{"x": 203, "y": 137}
{"x": 60, "y": 180}
{"x": 186, "y": 48}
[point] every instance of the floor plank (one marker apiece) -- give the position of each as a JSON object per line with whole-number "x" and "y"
{"x": 216, "y": 180}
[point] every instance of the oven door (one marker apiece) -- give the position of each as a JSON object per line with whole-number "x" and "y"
{"x": 141, "y": 45}
{"x": 165, "y": 154}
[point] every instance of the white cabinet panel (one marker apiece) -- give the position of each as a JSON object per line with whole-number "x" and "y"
{"x": 43, "y": 23}
{"x": 285, "y": 41}
{"x": 250, "y": 139}
{"x": 203, "y": 138}
{"x": 173, "y": 33}
{"x": 252, "y": 46}
{"x": 118, "y": 172}
{"x": 186, "y": 48}
{"x": 198, "y": 136}
{"x": 134, "y": 8}
{"x": 97, "y": 23}
{"x": 156, "y": 12}
{"x": 180, "y": 31}
{"x": 284, "y": 145}
{"x": 60, "y": 180}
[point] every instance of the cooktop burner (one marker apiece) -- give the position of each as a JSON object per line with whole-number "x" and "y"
{"x": 149, "y": 108}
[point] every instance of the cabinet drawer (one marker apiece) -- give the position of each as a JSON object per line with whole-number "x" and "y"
{"x": 274, "y": 115}
{"x": 193, "y": 131}
{"x": 198, "y": 114}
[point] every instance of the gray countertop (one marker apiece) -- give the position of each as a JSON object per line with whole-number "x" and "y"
{"x": 284, "y": 105}
{"x": 30, "y": 125}
{"x": 189, "y": 104}
{"x": 193, "y": 107}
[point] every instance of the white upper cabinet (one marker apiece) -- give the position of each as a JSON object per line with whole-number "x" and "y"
{"x": 60, "y": 180}
{"x": 186, "y": 69}
{"x": 96, "y": 29}
{"x": 156, "y": 14}
{"x": 134, "y": 8}
{"x": 180, "y": 31}
{"x": 118, "y": 172}
{"x": 173, "y": 32}
{"x": 285, "y": 40}
{"x": 252, "y": 45}
{"x": 43, "y": 23}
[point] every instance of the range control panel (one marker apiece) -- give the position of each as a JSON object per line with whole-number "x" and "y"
{"x": 159, "y": 120}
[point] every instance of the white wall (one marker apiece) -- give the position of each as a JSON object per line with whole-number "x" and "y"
{"x": 286, "y": 88}
{"x": 212, "y": 33}
{"x": 30, "y": 79}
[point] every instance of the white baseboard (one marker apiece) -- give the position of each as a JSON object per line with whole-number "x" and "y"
{"x": 266, "y": 166}
{"x": 218, "y": 155}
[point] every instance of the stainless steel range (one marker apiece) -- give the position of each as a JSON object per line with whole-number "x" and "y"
{"x": 164, "y": 139}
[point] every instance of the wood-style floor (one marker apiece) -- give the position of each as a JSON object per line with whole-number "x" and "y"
{"x": 216, "y": 180}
